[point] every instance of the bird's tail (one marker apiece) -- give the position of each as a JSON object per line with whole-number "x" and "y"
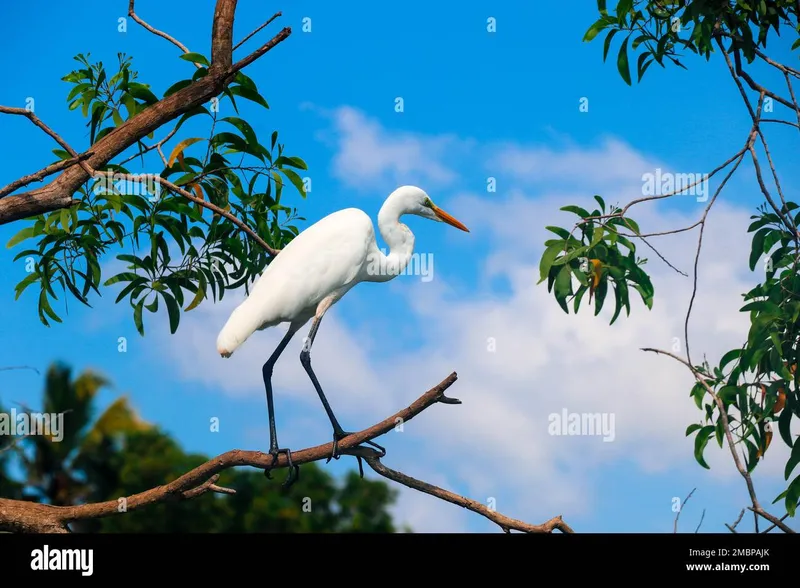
{"x": 236, "y": 331}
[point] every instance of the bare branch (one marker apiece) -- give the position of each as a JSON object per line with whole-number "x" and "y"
{"x": 680, "y": 510}
{"x": 281, "y": 36}
{"x": 43, "y": 173}
{"x": 18, "y": 367}
{"x": 702, "y": 518}
{"x": 266, "y": 24}
{"x": 506, "y": 524}
{"x": 38, "y": 122}
{"x": 161, "y": 34}
{"x": 732, "y": 528}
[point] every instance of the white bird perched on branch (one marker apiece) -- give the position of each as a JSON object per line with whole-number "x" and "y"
{"x": 312, "y": 273}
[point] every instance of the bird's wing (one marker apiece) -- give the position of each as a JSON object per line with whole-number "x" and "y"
{"x": 325, "y": 258}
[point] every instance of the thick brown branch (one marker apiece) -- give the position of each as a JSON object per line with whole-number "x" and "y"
{"x": 17, "y": 516}
{"x": 43, "y": 173}
{"x": 58, "y": 194}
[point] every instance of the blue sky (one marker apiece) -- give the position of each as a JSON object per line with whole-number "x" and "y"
{"x": 476, "y": 105}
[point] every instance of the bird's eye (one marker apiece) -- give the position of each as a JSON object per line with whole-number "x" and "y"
{"x": 428, "y": 203}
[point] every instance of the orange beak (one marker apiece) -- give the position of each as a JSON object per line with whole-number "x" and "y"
{"x": 448, "y": 219}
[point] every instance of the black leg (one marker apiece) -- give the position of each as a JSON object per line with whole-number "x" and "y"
{"x": 305, "y": 359}
{"x": 294, "y": 471}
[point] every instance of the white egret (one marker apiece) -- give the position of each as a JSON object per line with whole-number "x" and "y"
{"x": 312, "y": 273}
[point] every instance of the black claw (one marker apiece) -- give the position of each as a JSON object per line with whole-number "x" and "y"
{"x": 336, "y": 454}
{"x": 360, "y": 467}
{"x": 294, "y": 470}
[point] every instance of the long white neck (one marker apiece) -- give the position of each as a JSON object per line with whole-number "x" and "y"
{"x": 398, "y": 237}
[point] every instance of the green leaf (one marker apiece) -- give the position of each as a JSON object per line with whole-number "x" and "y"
{"x": 622, "y": 62}
{"x": 243, "y": 126}
{"x": 27, "y": 281}
{"x": 174, "y": 312}
{"x": 249, "y": 94}
{"x": 758, "y": 246}
{"x": 295, "y": 179}
{"x": 600, "y": 296}
{"x": 137, "y": 316}
{"x": 142, "y": 92}
{"x": 607, "y": 42}
{"x": 195, "y": 58}
{"x": 563, "y": 233}
{"x": 595, "y": 29}
{"x": 581, "y": 212}
{"x": 25, "y": 233}
{"x": 692, "y": 428}
{"x": 794, "y": 459}
{"x": 784, "y": 427}
{"x": 200, "y": 294}
{"x": 291, "y": 161}
{"x": 548, "y": 257}
{"x": 700, "y": 443}
{"x": 729, "y": 357}
{"x": 793, "y": 496}
{"x": 562, "y": 287}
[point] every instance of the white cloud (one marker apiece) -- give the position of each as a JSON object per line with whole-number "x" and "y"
{"x": 367, "y": 156}
{"x": 497, "y": 444}
{"x": 610, "y": 163}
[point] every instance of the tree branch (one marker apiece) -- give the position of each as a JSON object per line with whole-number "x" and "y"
{"x": 506, "y": 523}
{"x": 43, "y": 173}
{"x": 58, "y": 193}
{"x": 266, "y": 24}
{"x": 28, "y": 517}
{"x": 204, "y": 203}
{"x": 161, "y": 34}
{"x": 756, "y": 508}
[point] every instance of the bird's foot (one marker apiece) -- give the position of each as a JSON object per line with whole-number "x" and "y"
{"x": 339, "y": 435}
{"x": 294, "y": 470}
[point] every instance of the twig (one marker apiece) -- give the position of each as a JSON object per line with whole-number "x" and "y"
{"x": 38, "y": 122}
{"x": 680, "y": 510}
{"x": 266, "y": 24}
{"x": 736, "y": 522}
{"x": 44, "y": 172}
{"x": 702, "y": 517}
{"x": 19, "y": 367}
{"x": 155, "y": 31}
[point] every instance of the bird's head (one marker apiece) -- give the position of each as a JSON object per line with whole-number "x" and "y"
{"x": 416, "y": 201}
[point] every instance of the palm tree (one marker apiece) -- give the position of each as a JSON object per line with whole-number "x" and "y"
{"x": 54, "y": 472}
